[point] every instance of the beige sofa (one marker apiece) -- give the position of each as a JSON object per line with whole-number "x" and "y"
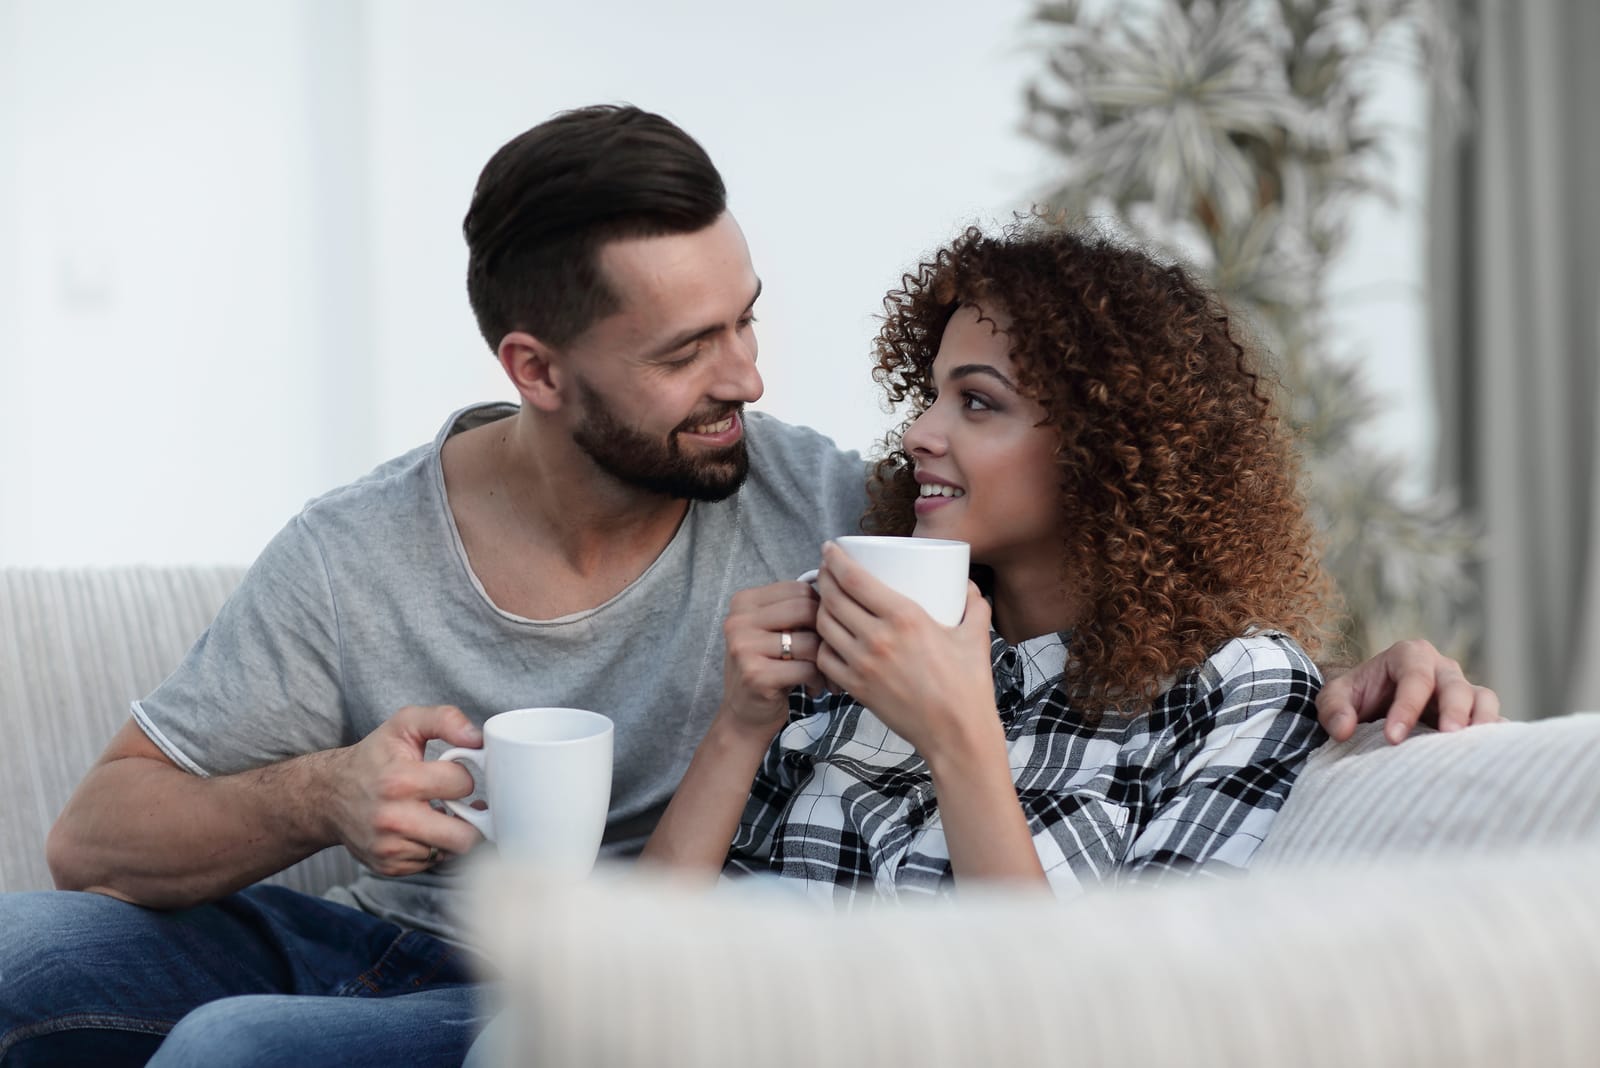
{"x": 1435, "y": 903}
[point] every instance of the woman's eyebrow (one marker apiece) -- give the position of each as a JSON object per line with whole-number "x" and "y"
{"x": 967, "y": 369}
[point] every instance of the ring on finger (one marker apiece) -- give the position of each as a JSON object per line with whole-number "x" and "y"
{"x": 785, "y": 646}
{"x": 433, "y": 856}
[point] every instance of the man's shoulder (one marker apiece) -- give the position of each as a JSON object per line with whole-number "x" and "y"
{"x": 399, "y": 495}
{"x": 769, "y": 435}
{"x": 801, "y": 465}
{"x": 393, "y": 482}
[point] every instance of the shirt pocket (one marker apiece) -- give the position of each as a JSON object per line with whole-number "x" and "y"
{"x": 1080, "y": 836}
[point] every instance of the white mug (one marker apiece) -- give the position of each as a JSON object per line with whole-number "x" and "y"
{"x": 930, "y": 571}
{"x": 548, "y": 773}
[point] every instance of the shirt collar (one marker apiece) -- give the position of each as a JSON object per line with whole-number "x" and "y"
{"x": 1030, "y": 664}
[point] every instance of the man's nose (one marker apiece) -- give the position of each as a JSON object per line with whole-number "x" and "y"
{"x": 738, "y": 379}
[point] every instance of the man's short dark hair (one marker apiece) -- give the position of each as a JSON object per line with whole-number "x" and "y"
{"x": 550, "y": 198}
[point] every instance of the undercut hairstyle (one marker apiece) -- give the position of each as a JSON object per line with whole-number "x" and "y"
{"x": 1187, "y": 524}
{"x": 549, "y": 199}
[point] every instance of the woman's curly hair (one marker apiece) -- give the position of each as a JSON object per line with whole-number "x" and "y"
{"x": 1189, "y": 528}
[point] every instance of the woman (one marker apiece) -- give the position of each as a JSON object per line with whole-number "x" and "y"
{"x": 1139, "y": 699}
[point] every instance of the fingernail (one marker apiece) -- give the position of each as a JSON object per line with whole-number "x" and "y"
{"x": 1395, "y": 732}
{"x": 1449, "y": 725}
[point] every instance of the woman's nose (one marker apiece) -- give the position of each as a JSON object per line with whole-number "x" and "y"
{"x": 923, "y": 435}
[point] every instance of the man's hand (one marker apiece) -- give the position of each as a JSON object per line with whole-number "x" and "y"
{"x": 759, "y": 669}
{"x": 382, "y": 787}
{"x": 1408, "y": 682}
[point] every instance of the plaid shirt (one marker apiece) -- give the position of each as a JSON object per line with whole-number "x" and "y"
{"x": 846, "y": 805}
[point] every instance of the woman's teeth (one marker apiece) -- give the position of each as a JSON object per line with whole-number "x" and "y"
{"x": 933, "y": 489}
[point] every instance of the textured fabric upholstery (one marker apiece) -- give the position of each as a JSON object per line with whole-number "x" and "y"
{"x": 1488, "y": 788}
{"x": 1453, "y": 962}
{"x": 1435, "y": 903}
{"x": 76, "y": 646}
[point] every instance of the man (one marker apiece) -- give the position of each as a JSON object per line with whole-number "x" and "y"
{"x": 577, "y": 550}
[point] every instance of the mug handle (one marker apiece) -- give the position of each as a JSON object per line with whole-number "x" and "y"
{"x": 809, "y": 576}
{"x": 479, "y": 818}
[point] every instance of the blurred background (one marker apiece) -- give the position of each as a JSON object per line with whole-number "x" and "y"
{"x": 231, "y": 270}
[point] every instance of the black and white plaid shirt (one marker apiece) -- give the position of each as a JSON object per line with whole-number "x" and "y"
{"x": 846, "y": 805}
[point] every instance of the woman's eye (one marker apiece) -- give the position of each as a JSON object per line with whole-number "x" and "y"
{"x": 972, "y": 402}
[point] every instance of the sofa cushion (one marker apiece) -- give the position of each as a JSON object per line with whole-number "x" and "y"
{"x": 1495, "y": 787}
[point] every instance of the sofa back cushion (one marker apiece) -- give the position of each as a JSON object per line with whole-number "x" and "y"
{"x": 76, "y": 647}
{"x": 1488, "y": 788}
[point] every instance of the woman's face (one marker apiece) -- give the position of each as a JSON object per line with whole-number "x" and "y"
{"x": 984, "y": 463}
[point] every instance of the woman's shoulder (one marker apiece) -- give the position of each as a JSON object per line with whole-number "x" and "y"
{"x": 1260, "y": 655}
{"x": 1258, "y": 689}
{"x": 1260, "y": 669}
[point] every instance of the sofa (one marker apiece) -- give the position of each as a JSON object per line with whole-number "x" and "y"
{"x": 76, "y": 646}
{"x": 1432, "y": 903}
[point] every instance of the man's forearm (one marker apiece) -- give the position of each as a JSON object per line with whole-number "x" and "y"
{"x": 148, "y": 833}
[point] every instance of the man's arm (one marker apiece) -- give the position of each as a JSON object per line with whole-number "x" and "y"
{"x": 1407, "y": 682}
{"x": 144, "y": 830}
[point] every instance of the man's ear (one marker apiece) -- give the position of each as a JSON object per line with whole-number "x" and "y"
{"x": 535, "y": 369}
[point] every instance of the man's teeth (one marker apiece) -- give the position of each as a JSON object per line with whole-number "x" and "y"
{"x": 713, "y": 428}
{"x": 934, "y": 489}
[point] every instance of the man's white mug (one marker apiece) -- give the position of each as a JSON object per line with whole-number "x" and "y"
{"x": 546, "y": 773}
{"x": 930, "y": 571}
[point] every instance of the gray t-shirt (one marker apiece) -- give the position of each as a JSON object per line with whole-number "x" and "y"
{"x": 365, "y": 603}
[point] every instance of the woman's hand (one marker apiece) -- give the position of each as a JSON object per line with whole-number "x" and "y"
{"x": 932, "y": 685}
{"x": 757, "y": 677}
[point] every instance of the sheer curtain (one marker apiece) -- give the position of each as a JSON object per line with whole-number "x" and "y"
{"x": 1515, "y": 252}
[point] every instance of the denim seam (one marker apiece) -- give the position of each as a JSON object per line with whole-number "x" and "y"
{"x": 438, "y": 966}
{"x": 368, "y": 978}
{"x": 84, "y": 1021}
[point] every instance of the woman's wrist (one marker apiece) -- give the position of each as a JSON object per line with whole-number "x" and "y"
{"x": 731, "y": 729}
{"x": 961, "y": 745}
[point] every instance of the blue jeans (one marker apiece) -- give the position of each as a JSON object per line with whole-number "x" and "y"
{"x": 265, "y": 977}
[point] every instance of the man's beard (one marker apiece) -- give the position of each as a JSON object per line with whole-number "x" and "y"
{"x": 638, "y": 459}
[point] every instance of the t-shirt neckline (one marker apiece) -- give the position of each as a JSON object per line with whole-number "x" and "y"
{"x": 476, "y": 415}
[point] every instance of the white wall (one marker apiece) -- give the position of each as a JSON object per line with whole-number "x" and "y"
{"x": 231, "y": 269}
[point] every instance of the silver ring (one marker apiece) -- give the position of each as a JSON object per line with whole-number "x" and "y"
{"x": 785, "y": 646}
{"x": 433, "y": 856}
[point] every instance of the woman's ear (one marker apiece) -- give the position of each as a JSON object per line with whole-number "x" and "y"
{"x": 534, "y": 368}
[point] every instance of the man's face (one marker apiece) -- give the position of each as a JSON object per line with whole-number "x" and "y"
{"x": 661, "y": 384}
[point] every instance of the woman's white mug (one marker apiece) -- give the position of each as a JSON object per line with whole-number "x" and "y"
{"x": 546, "y": 773}
{"x": 930, "y": 571}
